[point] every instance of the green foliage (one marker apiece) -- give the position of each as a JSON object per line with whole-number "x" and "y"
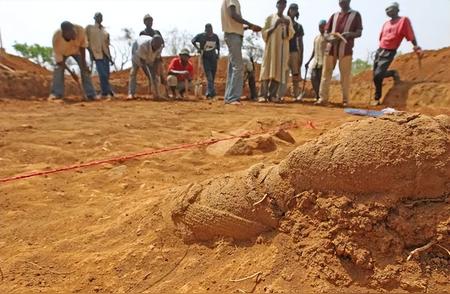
{"x": 359, "y": 66}
{"x": 39, "y": 54}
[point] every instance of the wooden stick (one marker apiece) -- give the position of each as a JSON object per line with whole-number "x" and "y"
{"x": 262, "y": 200}
{"x": 442, "y": 247}
{"x": 1, "y": 40}
{"x": 247, "y": 278}
{"x": 420, "y": 201}
{"x": 1, "y": 273}
{"x": 163, "y": 277}
{"x": 6, "y": 67}
{"x": 420, "y": 249}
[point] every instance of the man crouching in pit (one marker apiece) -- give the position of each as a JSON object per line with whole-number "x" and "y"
{"x": 145, "y": 51}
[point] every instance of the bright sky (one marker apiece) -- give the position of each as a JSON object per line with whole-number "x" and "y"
{"x": 34, "y": 21}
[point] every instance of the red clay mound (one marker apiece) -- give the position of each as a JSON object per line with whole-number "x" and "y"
{"x": 426, "y": 85}
{"x": 23, "y": 79}
{"x": 386, "y": 160}
{"x": 16, "y": 63}
{"x": 423, "y": 84}
{"x": 351, "y": 205}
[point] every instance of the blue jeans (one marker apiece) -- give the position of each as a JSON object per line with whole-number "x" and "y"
{"x": 235, "y": 78}
{"x": 103, "y": 74}
{"x": 210, "y": 67}
{"x": 58, "y": 80}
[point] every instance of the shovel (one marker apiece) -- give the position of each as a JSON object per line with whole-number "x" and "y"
{"x": 302, "y": 94}
{"x": 198, "y": 83}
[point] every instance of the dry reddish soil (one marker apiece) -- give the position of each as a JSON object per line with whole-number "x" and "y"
{"x": 338, "y": 210}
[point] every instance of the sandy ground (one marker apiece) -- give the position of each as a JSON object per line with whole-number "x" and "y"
{"x": 104, "y": 229}
{"x": 100, "y": 229}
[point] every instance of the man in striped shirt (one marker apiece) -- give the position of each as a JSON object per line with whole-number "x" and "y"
{"x": 340, "y": 32}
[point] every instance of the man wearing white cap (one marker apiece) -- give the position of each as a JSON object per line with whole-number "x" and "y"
{"x": 180, "y": 74}
{"x": 392, "y": 35}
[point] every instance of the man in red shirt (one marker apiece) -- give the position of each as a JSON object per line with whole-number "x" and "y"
{"x": 340, "y": 32}
{"x": 181, "y": 74}
{"x": 392, "y": 34}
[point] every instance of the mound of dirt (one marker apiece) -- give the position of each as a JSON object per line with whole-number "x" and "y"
{"x": 423, "y": 84}
{"x": 243, "y": 146}
{"x": 23, "y": 79}
{"x": 9, "y": 62}
{"x": 247, "y": 144}
{"x": 398, "y": 156}
{"x": 386, "y": 160}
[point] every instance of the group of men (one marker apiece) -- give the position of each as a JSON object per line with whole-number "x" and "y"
{"x": 72, "y": 40}
{"x": 284, "y": 50}
{"x": 283, "y": 55}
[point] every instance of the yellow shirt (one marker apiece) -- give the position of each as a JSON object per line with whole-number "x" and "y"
{"x": 229, "y": 25}
{"x": 62, "y": 48}
{"x": 98, "y": 39}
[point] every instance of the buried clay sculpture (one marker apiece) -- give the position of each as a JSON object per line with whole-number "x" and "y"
{"x": 390, "y": 159}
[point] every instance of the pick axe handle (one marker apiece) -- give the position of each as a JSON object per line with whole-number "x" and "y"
{"x": 304, "y": 80}
{"x": 75, "y": 78}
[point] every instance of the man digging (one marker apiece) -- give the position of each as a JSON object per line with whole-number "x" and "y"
{"x": 145, "y": 51}
{"x": 70, "y": 41}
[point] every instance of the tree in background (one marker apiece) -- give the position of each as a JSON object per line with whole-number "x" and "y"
{"x": 359, "y": 66}
{"x": 175, "y": 40}
{"x": 39, "y": 54}
{"x": 254, "y": 48}
{"x": 122, "y": 51}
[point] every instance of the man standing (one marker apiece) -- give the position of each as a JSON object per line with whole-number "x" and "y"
{"x": 181, "y": 74}
{"x": 392, "y": 34}
{"x": 277, "y": 32}
{"x": 98, "y": 39}
{"x": 296, "y": 49}
{"x": 318, "y": 55}
{"x": 340, "y": 32}
{"x": 208, "y": 45}
{"x": 70, "y": 41}
{"x": 233, "y": 28}
{"x": 149, "y": 31}
{"x": 145, "y": 51}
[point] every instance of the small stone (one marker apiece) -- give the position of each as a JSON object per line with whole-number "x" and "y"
{"x": 260, "y": 240}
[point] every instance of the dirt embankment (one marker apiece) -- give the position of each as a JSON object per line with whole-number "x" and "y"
{"x": 424, "y": 85}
